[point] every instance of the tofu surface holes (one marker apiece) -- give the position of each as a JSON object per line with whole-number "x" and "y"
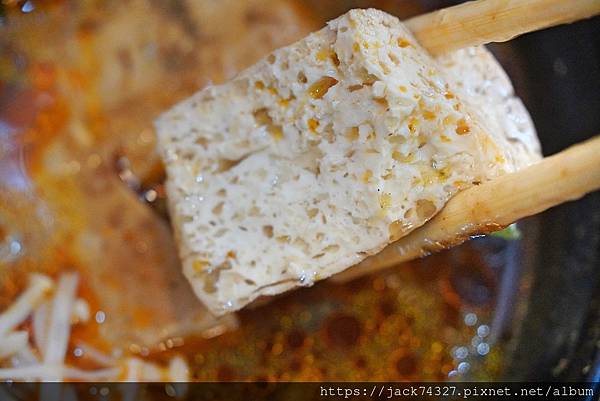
{"x": 327, "y": 150}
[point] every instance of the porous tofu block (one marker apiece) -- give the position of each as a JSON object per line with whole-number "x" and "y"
{"x": 326, "y": 151}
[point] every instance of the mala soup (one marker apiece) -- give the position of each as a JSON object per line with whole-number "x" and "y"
{"x": 82, "y": 202}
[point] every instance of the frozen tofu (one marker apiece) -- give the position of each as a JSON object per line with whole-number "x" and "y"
{"x": 326, "y": 151}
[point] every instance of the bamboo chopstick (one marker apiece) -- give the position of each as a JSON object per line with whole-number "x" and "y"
{"x": 487, "y": 207}
{"x": 484, "y": 21}
{"x": 566, "y": 176}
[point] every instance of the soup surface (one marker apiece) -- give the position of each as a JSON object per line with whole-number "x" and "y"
{"x": 81, "y": 191}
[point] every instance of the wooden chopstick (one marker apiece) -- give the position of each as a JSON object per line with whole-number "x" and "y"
{"x": 490, "y": 206}
{"x": 495, "y": 204}
{"x": 485, "y": 21}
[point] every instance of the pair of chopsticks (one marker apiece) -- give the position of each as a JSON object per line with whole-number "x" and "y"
{"x": 563, "y": 177}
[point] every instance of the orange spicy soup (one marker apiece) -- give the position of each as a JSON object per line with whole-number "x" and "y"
{"x": 81, "y": 192}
